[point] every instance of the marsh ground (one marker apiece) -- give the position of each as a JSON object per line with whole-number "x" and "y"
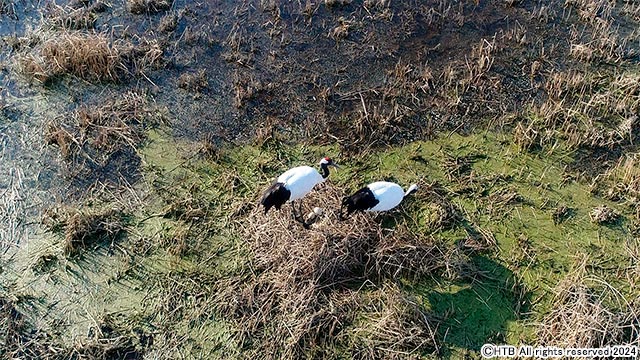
{"x": 137, "y": 137}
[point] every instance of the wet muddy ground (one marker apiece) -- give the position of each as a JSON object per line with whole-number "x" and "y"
{"x": 135, "y": 137}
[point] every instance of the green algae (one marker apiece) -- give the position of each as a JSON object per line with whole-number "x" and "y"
{"x": 509, "y": 193}
{"x": 497, "y": 188}
{"x": 531, "y": 246}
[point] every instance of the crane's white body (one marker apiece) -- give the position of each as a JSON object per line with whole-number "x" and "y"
{"x": 387, "y": 193}
{"x": 300, "y": 180}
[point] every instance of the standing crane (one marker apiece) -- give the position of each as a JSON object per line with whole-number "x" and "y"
{"x": 293, "y": 185}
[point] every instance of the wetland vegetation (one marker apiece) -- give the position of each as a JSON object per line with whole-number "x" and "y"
{"x": 136, "y": 137}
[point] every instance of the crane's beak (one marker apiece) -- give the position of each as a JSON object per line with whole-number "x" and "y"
{"x": 335, "y": 165}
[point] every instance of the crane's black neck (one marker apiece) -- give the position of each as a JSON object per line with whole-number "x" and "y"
{"x": 325, "y": 170}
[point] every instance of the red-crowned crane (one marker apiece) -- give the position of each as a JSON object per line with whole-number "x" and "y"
{"x": 293, "y": 185}
{"x": 377, "y": 196}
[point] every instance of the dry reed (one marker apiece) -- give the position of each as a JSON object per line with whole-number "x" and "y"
{"x": 94, "y": 133}
{"x": 84, "y": 229}
{"x": 75, "y": 16}
{"x": 149, "y": 6}
{"x": 582, "y": 316}
{"x": 604, "y": 215}
{"x": 90, "y": 56}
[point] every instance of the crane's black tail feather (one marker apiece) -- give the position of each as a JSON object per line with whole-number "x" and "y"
{"x": 275, "y": 196}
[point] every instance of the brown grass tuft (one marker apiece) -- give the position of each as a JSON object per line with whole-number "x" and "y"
{"x": 90, "y": 56}
{"x": 94, "y": 133}
{"x": 84, "y": 229}
{"x": 582, "y": 315}
{"x": 342, "y": 30}
{"x": 168, "y": 23}
{"x": 391, "y": 321}
{"x": 527, "y": 137}
{"x": 75, "y": 16}
{"x": 148, "y": 6}
{"x": 194, "y": 82}
{"x": 623, "y": 181}
{"x": 604, "y": 215}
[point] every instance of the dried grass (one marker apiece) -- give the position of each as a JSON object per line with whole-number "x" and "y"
{"x": 527, "y": 137}
{"x": 18, "y": 340}
{"x": 247, "y": 89}
{"x": 7, "y": 7}
{"x": 480, "y": 62}
{"x": 622, "y": 182}
{"x": 84, "y": 229}
{"x": 148, "y": 6}
{"x": 604, "y": 215}
{"x": 168, "y": 23}
{"x": 94, "y": 133}
{"x": 74, "y": 16}
{"x": 111, "y": 340}
{"x": 582, "y": 315}
{"x": 240, "y": 47}
{"x": 90, "y": 56}
{"x": 332, "y": 3}
{"x": 194, "y": 82}
{"x": 342, "y": 30}
{"x": 391, "y": 317}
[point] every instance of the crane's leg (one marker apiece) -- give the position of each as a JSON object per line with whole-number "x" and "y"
{"x": 304, "y": 223}
{"x": 297, "y": 214}
{"x": 341, "y": 216}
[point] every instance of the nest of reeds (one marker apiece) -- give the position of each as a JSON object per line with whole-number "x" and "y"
{"x": 358, "y": 247}
{"x": 583, "y": 316}
{"x": 301, "y": 297}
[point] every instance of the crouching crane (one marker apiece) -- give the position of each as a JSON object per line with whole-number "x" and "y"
{"x": 377, "y": 196}
{"x": 293, "y": 185}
